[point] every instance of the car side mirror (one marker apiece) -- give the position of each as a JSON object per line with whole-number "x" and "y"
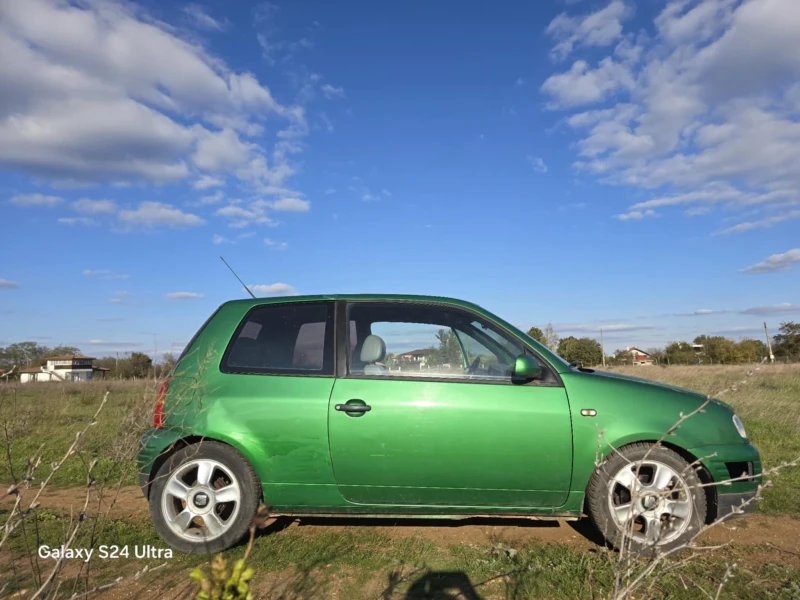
{"x": 527, "y": 367}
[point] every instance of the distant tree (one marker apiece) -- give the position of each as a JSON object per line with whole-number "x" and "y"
{"x": 786, "y": 344}
{"x": 23, "y": 354}
{"x": 166, "y": 364}
{"x": 658, "y": 355}
{"x": 140, "y": 364}
{"x": 583, "y": 351}
{"x": 64, "y": 351}
{"x": 717, "y": 349}
{"x": 680, "y": 353}
{"x": 749, "y": 351}
{"x": 449, "y": 351}
{"x": 538, "y": 335}
{"x": 550, "y": 337}
{"x": 623, "y": 357}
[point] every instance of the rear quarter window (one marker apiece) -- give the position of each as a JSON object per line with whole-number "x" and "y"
{"x": 283, "y": 339}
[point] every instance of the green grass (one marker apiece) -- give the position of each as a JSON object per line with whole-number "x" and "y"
{"x": 47, "y": 416}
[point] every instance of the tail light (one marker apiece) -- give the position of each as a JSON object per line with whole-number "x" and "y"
{"x": 158, "y": 411}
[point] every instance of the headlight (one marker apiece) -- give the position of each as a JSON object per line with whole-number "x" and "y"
{"x": 739, "y": 426}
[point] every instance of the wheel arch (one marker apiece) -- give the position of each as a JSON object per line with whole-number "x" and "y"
{"x": 703, "y": 473}
{"x": 188, "y": 440}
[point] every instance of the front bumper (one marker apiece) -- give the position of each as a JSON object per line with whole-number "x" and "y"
{"x": 736, "y": 472}
{"x": 732, "y": 506}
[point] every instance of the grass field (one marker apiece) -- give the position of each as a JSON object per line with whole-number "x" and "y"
{"x": 386, "y": 560}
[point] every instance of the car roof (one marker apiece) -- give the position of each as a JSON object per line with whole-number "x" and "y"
{"x": 376, "y": 297}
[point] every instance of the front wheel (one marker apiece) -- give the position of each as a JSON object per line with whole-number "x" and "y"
{"x": 204, "y": 497}
{"x": 646, "y": 498}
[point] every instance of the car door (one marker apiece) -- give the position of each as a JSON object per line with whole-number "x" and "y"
{"x": 424, "y": 422}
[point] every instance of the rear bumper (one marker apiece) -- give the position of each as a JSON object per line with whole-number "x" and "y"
{"x": 151, "y": 447}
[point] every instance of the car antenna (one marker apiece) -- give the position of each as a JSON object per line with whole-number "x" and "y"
{"x": 252, "y": 295}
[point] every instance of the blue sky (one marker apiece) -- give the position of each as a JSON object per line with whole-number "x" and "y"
{"x": 631, "y": 166}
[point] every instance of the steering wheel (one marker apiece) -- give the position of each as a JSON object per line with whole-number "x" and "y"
{"x": 474, "y": 366}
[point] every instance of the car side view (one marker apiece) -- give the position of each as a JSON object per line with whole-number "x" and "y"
{"x": 376, "y": 405}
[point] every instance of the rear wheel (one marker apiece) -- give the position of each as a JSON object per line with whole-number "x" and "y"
{"x": 204, "y": 497}
{"x": 648, "y": 494}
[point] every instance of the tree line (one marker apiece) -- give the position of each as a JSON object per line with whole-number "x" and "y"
{"x": 132, "y": 365}
{"x": 704, "y": 349}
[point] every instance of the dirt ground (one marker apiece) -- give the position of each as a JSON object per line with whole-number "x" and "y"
{"x": 779, "y": 532}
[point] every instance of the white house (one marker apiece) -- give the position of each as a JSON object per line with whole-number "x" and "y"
{"x": 63, "y": 368}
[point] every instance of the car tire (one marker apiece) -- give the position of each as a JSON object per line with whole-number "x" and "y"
{"x": 666, "y": 508}
{"x": 204, "y": 497}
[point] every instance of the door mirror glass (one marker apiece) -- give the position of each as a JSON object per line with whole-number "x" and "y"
{"x": 527, "y": 367}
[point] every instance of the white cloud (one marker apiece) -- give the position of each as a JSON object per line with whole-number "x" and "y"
{"x": 202, "y": 20}
{"x": 105, "y": 274}
{"x": 332, "y": 92}
{"x": 76, "y": 221}
{"x": 6, "y": 284}
{"x": 715, "y": 81}
{"x": 519, "y": 82}
{"x": 776, "y": 262}
{"x": 156, "y": 214}
{"x": 274, "y": 289}
{"x": 330, "y": 191}
{"x": 538, "y": 164}
{"x": 600, "y": 28}
{"x": 774, "y": 309}
{"x": 222, "y": 151}
{"x": 183, "y": 295}
{"x": 703, "y": 312}
{"x": 289, "y": 205}
{"x": 219, "y": 239}
{"x": 94, "y": 207}
{"x": 276, "y": 245}
{"x": 36, "y": 200}
{"x": 607, "y": 328}
{"x": 207, "y": 181}
{"x": 99, "y": 91}
{"x": 214, "y": 198}
{"x": 763, "y": 223}
{"x": 636, "y": 215}
{"x": 120, "y": 297}
{"x": 584, "y": 85}
{"x": 239, "y": 216}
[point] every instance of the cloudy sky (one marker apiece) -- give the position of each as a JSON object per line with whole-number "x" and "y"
{"x": 616, "y": 164}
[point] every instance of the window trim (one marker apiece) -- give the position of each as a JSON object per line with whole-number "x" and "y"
{"x": 343, "y": 345}
{"x": 328, "y": 349}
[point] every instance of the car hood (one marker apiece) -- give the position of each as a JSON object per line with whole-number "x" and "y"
{"x": 647, "y": 382}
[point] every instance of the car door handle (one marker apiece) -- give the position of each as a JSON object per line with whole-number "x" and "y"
{"x": 353, "y": 408}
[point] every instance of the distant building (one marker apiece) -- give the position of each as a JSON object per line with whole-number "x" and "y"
{"x": 639, "y": 358}
{"x": 413, "y": 356}
{"x": 63, "y": 368}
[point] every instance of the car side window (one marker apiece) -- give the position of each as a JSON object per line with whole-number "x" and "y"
{"x": 407, "y": 340}
{"x": 283, "y": 339}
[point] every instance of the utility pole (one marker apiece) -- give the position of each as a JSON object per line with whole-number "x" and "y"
{"x": 769, "y": 344}
{"x": 602, "y": 347}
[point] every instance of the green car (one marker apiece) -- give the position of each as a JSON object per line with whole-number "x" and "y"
{"x": 412, "y": 406}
